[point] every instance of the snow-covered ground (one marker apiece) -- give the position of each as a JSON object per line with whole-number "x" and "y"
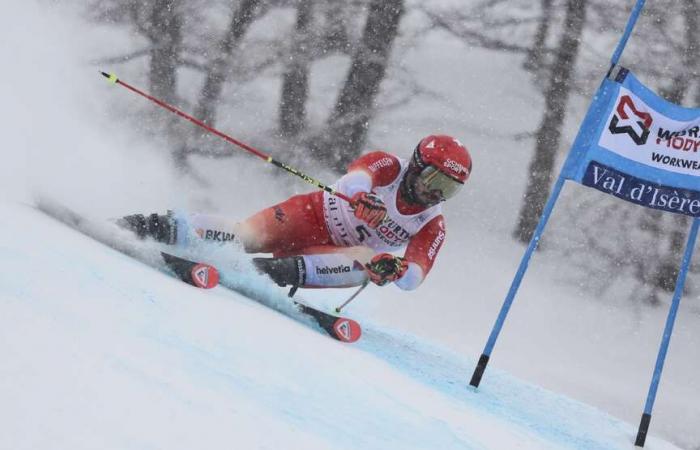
{"x": 99, "y": 351}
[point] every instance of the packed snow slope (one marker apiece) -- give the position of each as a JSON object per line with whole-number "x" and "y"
{"x": 101, "y": 351}
{"x": 67, "y": 132}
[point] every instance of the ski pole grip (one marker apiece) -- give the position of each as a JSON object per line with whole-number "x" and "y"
{"x": 479, "y": 371}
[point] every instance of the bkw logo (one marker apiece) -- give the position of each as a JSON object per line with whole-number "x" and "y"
{"x": 636, "y": 127}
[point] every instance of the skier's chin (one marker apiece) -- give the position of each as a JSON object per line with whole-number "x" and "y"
{"x": 425, "y": 198}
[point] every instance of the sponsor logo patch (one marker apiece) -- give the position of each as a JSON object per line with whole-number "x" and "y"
{"x": 455, "y": 166}
{"x": 637, "y": 126}
{"x": 432, "y": 251}
{"x": 642, "y": 192}
{"x": 215, "y": 235}
{"x": 347, "y": 330}
{"x": 326, "y": 270}
{"x": 638, "y": 132}
{"x": 342, "y": 329}
{"x": 204, "y": 276}
{"x": 384, "y": 162}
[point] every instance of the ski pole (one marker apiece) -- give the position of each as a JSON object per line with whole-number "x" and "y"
{"x": 352, "y": 297}
{"x": 114, "y": 80}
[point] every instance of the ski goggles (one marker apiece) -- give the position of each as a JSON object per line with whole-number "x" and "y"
{"x": 434, "y": 182}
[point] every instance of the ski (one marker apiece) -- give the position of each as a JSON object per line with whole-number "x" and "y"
{"x": 198, "y": 274}
{"x": 337, "y": 327}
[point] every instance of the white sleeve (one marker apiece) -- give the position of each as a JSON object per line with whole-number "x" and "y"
{"x": 412, "y": 278}
{"x": 353, "y": 182}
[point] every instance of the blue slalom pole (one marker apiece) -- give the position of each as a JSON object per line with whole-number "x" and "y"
{"x": 666, "y": 339}
{"x": 631, "y": 22}
{"x": 495, "y": 331}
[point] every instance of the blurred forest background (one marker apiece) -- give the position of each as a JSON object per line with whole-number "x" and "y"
{"x": 197, "y": 54}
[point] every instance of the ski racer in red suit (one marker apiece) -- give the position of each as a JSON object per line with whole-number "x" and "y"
{"x": 319, "y": 240}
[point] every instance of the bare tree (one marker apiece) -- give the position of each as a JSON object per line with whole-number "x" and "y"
{"x": 651, "y": 247}
{"x": 160, "y": 22}
{"x": 295, "y": 81}
{"x": 346, "y": 130}
{"x": 667, "y": 266}
{"x": 216, "y": 71}
{"x": 549, "y": 133}
{"x": 215, "y": 77}
{"x": 334, "y": 34}
{"x": 166, "y": 33}
{"x": 535, "y": 55}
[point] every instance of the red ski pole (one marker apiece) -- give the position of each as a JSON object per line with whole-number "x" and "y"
{"x": 114, "y": 80}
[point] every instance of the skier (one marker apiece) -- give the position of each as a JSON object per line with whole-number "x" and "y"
{"x": 319, "y": 240}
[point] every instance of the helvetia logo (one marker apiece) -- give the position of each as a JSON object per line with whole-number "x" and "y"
{"x": 333, "y": 270}
{"x": 623, "y": 123}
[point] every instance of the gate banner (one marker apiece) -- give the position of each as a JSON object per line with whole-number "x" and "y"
{"x": 638, "y": 147}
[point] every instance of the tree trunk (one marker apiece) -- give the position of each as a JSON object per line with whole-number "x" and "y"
{"x": 295, "y": 81}
{"x": 216, "y": 75}
{"x": 535, "y": 56}
{"x": 347, "y": 127}
{"x": 549, "y": 133}
{"x": 166, "y": 26}
{"x": 668, "y": 266}
{"x": 334, "y": 36}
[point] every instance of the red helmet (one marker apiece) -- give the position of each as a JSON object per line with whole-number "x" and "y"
{"x": 438, "y": 169}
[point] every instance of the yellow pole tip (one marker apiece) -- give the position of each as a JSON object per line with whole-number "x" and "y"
{"x": 112, "y": 78}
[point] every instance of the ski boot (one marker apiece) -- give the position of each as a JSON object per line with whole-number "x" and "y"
{"x": 161, "y": 228}
{"x": 283, "y": 271}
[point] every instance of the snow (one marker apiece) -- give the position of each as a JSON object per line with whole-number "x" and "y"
{"x": 100, "y": 351}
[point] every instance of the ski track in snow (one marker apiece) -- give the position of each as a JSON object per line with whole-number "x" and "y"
{"x": 102, "y": 351}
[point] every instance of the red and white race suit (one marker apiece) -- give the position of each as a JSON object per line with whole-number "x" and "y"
{"x": 324, "y": 229}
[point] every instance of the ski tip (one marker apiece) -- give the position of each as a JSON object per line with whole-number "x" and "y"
{"x": 205, "y": 276}
{"x": 347, "y": 330}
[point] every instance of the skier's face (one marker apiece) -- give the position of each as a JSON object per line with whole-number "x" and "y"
{"x": 430, "y": 186}
{"x": 422, "y": 193}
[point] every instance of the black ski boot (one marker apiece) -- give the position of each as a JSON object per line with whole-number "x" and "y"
{"x": 161, "y": 228}
{"x": 283, "y": 271}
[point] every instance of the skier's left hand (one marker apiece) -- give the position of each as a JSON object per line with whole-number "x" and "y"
{"x": 385, "y": 268}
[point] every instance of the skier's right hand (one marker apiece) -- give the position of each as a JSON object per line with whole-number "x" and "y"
{"x": 386, "y": 268}
{"x": 369, "y": 208}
